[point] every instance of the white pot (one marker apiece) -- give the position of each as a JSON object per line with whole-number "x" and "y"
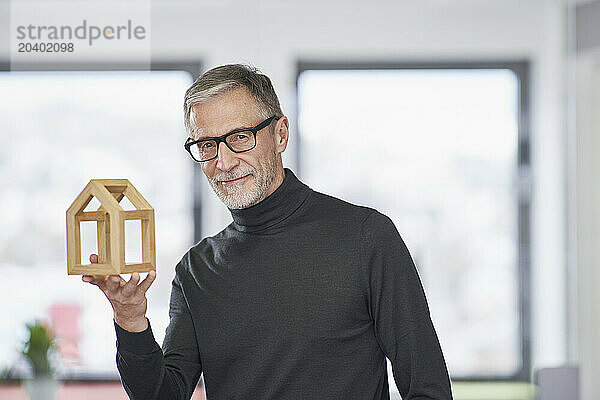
{"x": 41, "y": 388}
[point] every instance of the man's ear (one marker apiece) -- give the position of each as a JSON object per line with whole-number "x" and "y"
{"x": 282, "y": 134}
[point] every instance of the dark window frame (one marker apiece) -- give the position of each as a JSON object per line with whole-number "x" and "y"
{"x": 194, "y": 68}
{"x": 521, "y": 69}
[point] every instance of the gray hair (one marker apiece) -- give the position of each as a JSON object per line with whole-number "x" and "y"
{"x": 226, "y": 77}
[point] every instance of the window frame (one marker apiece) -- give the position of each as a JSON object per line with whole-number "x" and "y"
{"x": 192, "y": 67}
{"x": 521, "y": 69}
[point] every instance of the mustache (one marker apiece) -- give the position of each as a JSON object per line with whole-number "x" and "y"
{"x": 227, "y": 176}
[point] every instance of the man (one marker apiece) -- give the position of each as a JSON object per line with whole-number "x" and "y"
{"x": 302, "y": 296}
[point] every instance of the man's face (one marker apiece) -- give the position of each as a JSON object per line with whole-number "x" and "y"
{"x": 240, "y": 180}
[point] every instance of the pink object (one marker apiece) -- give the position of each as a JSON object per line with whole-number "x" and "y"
{"x": 77, "y": 391}
{"x": 64, "y": 319}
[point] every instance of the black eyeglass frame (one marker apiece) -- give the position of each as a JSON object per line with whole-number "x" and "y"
{"x": 189, "y": 142}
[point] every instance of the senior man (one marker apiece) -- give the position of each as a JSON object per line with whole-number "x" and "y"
{"x": 302, "y": 296}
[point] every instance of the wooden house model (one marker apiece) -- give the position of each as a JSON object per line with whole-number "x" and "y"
{"x": 110, "y": 218}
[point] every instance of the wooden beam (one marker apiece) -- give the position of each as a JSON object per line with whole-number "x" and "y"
{"x": 91, "y": 216}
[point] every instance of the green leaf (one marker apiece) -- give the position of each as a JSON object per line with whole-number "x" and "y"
{"x": 38, "y": 348}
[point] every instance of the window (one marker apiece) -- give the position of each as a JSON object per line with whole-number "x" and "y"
{"x": 440, "y": 150}
{"x": 59, "y": 130}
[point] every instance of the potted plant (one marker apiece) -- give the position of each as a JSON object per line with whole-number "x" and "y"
{"x": 38, "y": 350}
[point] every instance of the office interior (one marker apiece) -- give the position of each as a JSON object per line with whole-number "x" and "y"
{"x": 474, "y": 125}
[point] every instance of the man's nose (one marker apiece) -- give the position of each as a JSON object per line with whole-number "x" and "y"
{"x": 226, "y": 158}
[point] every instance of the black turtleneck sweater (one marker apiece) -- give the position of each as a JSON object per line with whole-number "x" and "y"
{"x": 302, "y": 296}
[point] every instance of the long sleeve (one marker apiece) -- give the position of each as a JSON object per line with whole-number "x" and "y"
{"x": 400, "y": 314}
{"x": 147, "y": 372}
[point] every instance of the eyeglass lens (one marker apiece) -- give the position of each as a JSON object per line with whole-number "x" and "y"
{"x": 239, "y": 141}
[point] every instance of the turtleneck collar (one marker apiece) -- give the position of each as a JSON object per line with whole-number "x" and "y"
{"x": 274, "y": 208}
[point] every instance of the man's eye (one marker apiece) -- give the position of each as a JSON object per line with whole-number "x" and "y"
{"x": 240, "y": 137}
{"x": 207, "y": 145}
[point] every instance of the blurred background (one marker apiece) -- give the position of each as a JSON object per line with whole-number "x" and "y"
{"x": 478, "y": 123}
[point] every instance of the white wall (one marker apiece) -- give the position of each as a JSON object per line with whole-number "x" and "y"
{"x": 274, "y": 35}
{"x": 587, "y": 219}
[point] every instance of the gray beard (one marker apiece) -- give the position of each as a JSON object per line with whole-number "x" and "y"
{"x": 234, "y": 197}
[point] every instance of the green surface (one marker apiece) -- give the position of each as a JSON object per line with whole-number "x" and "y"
{"x": 493, "y": 390}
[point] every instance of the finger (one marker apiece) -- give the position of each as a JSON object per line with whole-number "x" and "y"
{"x": 99, "y": 277}
{"x": 130, "y": 287}
{"x": 97, "y": 281}
{"x": 113, "y": 282}
{"x": 148, "y": 281}
{"x": 93, "y": 279}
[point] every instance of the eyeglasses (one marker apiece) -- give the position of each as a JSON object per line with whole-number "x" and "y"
{"x": 237, "y": 141}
